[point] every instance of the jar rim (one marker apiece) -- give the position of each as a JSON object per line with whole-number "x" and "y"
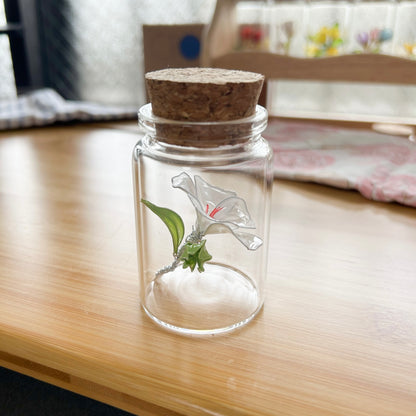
{"x": 203, "y": 133}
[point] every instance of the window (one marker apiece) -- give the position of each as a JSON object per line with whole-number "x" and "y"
{"x": 7, "y": 84}
{"x": 92, "y": 50}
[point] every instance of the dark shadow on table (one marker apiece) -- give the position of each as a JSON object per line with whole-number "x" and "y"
{"x": 24, "y": 396}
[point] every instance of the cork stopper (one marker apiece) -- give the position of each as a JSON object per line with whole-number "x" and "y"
{"x": 203, "y": 107}
{"x": 203, "y": 94}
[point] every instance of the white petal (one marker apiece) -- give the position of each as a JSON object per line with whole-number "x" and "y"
{"x": 234, "y": 210}
{"x": 183, "y": 181}
{"x": 231, "y": 211}
{"x": 250, "y": 241}
{"x": 203, "y": 222}
{"x": 220, "y": 228}
{"x": 208, "y": 194}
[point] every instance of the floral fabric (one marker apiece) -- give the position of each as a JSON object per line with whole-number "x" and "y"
{"x": 381, "y": 167}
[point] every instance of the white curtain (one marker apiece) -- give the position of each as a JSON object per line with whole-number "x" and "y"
{"x": 108, "y": 43}
{"x": 107, "y": 39}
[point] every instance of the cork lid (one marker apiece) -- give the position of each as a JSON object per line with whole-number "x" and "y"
{"x": 203, "y": 94}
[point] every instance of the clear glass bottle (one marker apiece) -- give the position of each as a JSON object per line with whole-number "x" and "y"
{"x": 327, "y": 27}
{"x": 405, "y": 29}
{"x": 206, "y": 275}
{"x": 372, "y": 26}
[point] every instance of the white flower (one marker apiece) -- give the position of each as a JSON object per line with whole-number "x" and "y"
{"x": 217, "y": 210}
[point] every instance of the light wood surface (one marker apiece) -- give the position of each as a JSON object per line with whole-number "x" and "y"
{"x": 337, "y": 335}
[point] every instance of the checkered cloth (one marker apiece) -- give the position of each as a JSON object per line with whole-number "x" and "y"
{"x": 46, "y": 106}
{"x": 379, "y": 166}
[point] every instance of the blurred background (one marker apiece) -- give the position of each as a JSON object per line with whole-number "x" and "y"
{"x": 89, "y": 50}
{"x": 92, "y": 50}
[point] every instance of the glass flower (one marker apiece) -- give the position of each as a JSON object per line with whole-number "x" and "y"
{"x": 218, "y": 210}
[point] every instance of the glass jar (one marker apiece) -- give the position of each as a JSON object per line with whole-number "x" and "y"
{"x": 327, "y": 27}
{"x": 372, "y": 26}
{"x": 405, "y": 31}
{"x": 202, "y": 214}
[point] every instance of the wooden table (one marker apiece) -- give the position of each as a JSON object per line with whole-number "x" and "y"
{"x": 337, "y": 335}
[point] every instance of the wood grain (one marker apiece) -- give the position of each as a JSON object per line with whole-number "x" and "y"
{"x": 354, "y": 68}
{"x": 337, "y": 335}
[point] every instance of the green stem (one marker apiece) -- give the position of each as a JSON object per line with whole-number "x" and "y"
{"x": 194, "y": 237}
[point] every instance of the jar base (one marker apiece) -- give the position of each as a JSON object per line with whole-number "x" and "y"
{"x": 219, "y": 300}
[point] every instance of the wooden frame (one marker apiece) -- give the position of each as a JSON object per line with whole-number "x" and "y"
{"x": 365, "y": 68}
{"x": 354, "y": 68}
{"x": 219, "y": 37}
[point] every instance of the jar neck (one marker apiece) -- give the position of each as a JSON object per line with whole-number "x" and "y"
{"x": 202, "y": 134}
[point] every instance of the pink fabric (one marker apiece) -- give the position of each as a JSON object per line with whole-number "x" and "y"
{"x": 381, "y": 167}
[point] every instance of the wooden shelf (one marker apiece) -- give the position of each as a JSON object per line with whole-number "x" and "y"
{"x": 368, "y": 68}
{"x": 365, "y": 68}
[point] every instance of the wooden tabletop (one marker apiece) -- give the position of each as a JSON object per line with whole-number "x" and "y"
{"x": 337, "y": 335}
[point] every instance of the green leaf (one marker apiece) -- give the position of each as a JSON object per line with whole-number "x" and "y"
{"x": 337, "y": 42}
{"x": 191, "y": 263}
{"x": 195, "y": 254}
{"x": 203, "y": 256}
{"x": 172, "y": 220}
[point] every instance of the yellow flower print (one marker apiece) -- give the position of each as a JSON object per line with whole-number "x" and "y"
{"x": 334, "y": 32}
{"x": 410, "y": 48}
{"x": 325, "y": 42}
{"x": 322, "y": 35}
{"x": 311, "y": 51}
{"x": 332, "y": 51}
